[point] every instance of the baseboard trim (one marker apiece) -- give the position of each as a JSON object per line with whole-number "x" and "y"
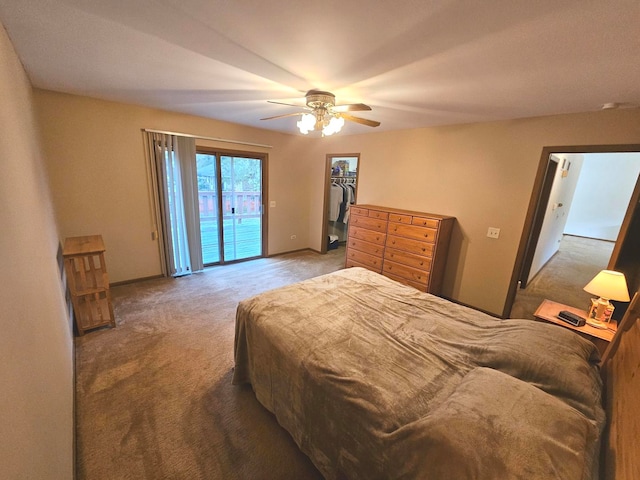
{"x": 155, "y": 277}
{"x": 294, "y": 251}
{"x": 134, "y": 280}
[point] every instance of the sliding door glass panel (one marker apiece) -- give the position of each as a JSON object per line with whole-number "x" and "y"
{"x": 208, "y": 201}
{"x": 241, "y": 207}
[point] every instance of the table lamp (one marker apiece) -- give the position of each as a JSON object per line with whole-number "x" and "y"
{"x": 608, "y": 285}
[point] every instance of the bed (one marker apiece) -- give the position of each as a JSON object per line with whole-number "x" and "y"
{"x": 377, "y": 380}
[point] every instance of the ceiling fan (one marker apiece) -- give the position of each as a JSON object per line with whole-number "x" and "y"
{"x": 322, "y": 113}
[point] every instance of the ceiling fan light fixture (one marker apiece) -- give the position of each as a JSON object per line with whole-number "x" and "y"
{"x": 307, "y": 123}
{"x": 334, "y": 126}
{"x": 324, "y": 115}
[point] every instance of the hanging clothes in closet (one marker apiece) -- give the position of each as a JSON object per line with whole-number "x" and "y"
{"x": 336, "y": 195}
{"x": 342, "y": 195}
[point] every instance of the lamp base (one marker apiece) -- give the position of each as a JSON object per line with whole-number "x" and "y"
{"x": 597, "y": 323}
{"x": 600, "y": 313}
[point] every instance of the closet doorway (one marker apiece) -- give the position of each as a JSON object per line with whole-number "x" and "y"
{"x": 340, "y": 192}
{"x": 230, "y": 193}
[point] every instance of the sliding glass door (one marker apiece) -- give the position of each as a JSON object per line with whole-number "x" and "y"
{"x": 207, "y": 168}
{"x": 233, "y": 218}
{"x": 242, "y": 208}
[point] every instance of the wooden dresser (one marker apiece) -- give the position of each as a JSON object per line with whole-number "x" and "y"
{"x": 410, "y": 247}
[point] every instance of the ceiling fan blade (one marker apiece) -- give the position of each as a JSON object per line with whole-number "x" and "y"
{"x": 289, "y": 104}
{"x": 353, "y": 107}
{"x": 363, "y": 121}
{"x": 282, "y": 116}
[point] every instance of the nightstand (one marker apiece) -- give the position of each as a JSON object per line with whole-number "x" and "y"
{"x": 548, "y": 312}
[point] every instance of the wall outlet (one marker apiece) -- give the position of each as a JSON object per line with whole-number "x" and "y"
{"x": 272, "y": 204}
{"x": 493, "y": 232}
{"x": 293, "y": 237}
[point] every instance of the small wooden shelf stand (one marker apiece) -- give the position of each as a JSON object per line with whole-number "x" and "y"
{"x": 88, "y": 282}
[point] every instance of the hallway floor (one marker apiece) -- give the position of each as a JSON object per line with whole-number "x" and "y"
{"x": 562, "y": 279}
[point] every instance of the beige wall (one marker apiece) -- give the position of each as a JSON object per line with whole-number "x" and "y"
{"x": 98, "y": 169}
{"x": 36, "y": 352}
{"x": 482, "y": 174}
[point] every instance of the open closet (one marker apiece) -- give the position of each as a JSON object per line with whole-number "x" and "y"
{"x": 340, "y": 194}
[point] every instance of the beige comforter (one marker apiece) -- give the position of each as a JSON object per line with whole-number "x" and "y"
{"x": 375, "y": 380}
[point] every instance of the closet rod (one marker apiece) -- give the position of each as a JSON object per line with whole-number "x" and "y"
{"x": 225, "y": 140}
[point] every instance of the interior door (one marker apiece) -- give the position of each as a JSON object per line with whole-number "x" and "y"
{"x": 538, "y": 221}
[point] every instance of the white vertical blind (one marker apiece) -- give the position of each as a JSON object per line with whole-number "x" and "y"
{"x": 173, "y": 162}
{"x": 187, "y": 160}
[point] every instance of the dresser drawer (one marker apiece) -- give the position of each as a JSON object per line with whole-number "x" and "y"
{"x": 353, "y": 263}
{"x": 410, "y": 259}
{"x": 411, "y": 231}
{"x": 418, "y": 276}
{"x": 406, "y": 281}
{"x": 369, "y": 223}
{"x": 373, "y": 261}
{"x": 425, "y": 222}
{"x": 399, "y": 218}
{"x": 359, "y": 211}
{"x": 410, "y": 245}
{"x": 367, "y": 235}
{"x": 366, "y": 247}
{"x": 378, "y": 214}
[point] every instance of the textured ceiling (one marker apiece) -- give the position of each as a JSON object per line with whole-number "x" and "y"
{"x": 417, "y": 63}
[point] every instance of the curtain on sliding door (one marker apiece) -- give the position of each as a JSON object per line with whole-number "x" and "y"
{"x": 175, "y": 190}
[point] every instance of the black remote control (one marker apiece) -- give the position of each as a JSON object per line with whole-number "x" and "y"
{"x": 572, "y": 318}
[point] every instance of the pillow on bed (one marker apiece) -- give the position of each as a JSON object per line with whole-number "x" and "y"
{"x": 496, "y": 426}
{"x": 551, "y": 358}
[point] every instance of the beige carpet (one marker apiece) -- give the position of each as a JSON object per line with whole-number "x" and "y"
{"x": 154, "y": 398}
{"x": 578, "y": 260}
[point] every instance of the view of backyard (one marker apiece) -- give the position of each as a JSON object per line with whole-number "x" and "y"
{"x": 241, "y": 208}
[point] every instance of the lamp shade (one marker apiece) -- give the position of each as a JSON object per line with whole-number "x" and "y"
{"x": 610, "y": 285}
